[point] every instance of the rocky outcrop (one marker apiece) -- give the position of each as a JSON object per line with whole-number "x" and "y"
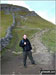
{"x": 5, "y": 40}
{"x": 32, "y": 13}
{"x": 10, "y": 7}
{"x": 7, "y": 8}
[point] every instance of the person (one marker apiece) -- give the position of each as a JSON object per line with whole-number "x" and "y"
{"x": 26, "y": 45}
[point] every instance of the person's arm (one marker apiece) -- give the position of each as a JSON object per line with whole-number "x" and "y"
{"x": 21, "y": 44}
{"x": 30, "y": 44}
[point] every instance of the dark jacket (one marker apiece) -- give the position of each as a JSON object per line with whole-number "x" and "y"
{"x": 26, "y": 47}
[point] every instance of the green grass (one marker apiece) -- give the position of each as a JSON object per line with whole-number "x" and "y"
{"x": 49, "y": 39}
{"x": 17, "y": 36}
{"x": 31, "y": 22}
{"x": 23, "y": 13}
{"x": 37, "y": 22}
{"x": 6, "y": 20}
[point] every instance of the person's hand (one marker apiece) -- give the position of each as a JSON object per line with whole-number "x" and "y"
{"x": 24, "y": 43}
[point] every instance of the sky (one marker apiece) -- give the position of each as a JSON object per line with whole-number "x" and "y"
{"x": 46, "y": 9}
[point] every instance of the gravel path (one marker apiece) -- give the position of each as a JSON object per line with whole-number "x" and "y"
{"x": 41, "y": 54}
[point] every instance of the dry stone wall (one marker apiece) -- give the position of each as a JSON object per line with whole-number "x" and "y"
{"x": 5, "y": 40}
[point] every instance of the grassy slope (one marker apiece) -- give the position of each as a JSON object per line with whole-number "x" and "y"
{"x": 49, "y": 39}
{"x": 36, "y": 22}
{"x": 6, "y": 20}
{"x": 17, "y": 36}
{"x": 31, "y": 22}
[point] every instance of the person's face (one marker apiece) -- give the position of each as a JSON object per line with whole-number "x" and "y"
{"x": 24, "y": 36}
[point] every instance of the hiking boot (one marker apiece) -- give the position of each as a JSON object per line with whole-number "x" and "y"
{"x": 34, "y": 63}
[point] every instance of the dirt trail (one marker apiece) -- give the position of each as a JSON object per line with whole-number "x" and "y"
{"x": 13, "y": 65}
{"x": 41, "y": 54}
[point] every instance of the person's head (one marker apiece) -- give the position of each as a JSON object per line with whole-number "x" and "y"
{"x": 24, "y": 36}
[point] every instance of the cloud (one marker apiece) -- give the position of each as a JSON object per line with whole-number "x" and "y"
{"x": 46, "y": 15}
{"x": 19, "y": 3}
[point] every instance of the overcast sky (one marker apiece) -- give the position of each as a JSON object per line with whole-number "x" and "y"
{"x": 45, "y": 9}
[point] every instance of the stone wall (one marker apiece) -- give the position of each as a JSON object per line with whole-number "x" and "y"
{"x": 5, "y": 40}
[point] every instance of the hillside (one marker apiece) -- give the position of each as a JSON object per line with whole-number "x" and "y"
{"x": 40, "y": 32}
{"x": 27, "y": 22}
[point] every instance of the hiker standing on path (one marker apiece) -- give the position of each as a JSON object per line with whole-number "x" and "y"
{"x": 26, "y": 45}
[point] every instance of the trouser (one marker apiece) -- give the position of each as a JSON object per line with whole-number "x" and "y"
{"x": 29, "y": 54}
